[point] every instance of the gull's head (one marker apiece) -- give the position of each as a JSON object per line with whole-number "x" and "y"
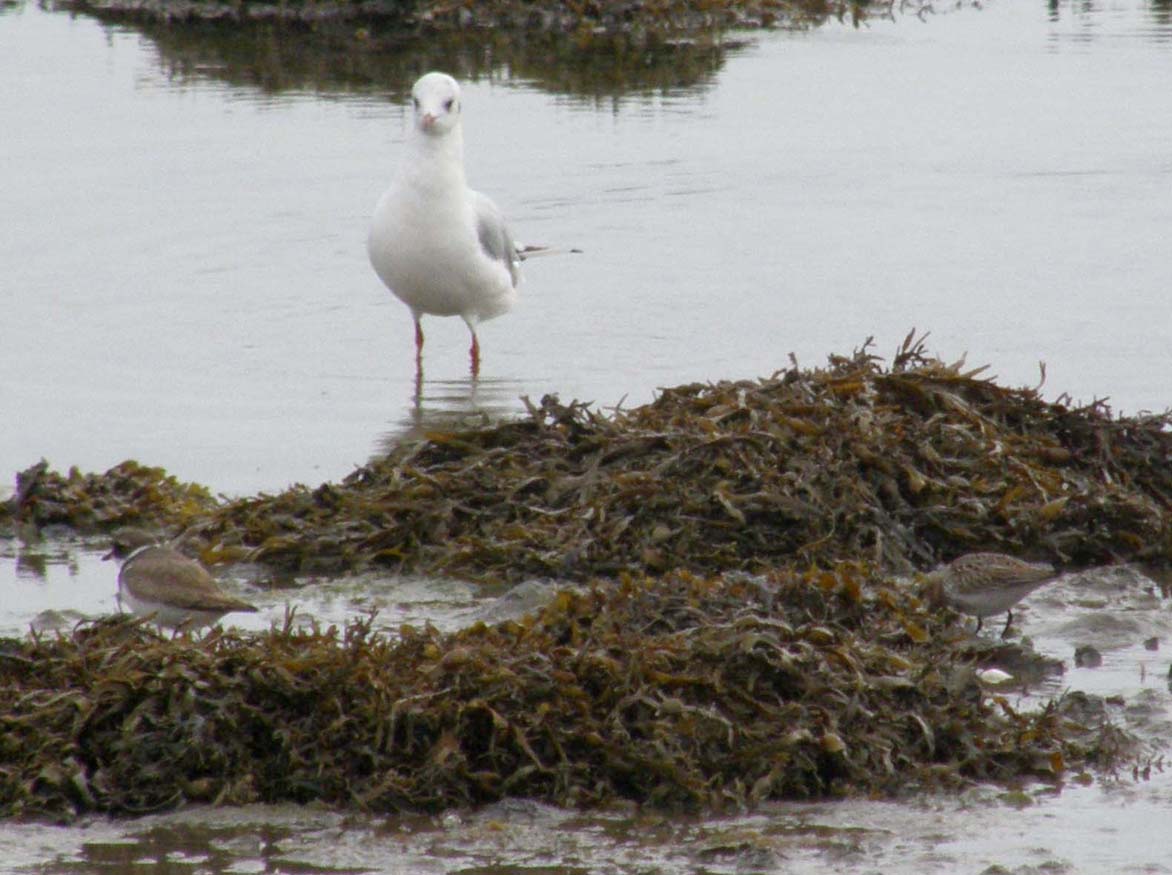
{"x": 435, "y": 98}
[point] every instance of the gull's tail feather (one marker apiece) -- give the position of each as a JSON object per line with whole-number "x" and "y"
{"x": 524, "y": 253}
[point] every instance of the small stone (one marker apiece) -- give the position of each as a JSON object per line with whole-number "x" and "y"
{"x": 993, "y": 676}
{"x": 1087, "y": 657}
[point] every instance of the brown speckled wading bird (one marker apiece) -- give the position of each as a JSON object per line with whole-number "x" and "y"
{"x": 984, "y": 584}
{"x": 159, "y": 582}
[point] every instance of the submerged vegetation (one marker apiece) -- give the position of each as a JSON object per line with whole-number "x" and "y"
{"x": 739, "y": 635}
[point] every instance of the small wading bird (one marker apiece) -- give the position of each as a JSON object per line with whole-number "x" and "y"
{"x": 985, "y": 584}
{"x": 443, "y": 249}
{"x": 161, "y": 583}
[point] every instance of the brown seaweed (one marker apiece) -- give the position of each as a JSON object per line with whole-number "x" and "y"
{"x": 902, "y": 467}
{"x": 127, "y": 494}
{"x": 678, "y": 692}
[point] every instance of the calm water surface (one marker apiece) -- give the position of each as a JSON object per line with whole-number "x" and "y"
{"x": 185, "y": 282}
{"x": 185, "y": 279}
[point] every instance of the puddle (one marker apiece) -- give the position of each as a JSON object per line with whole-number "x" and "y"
{"x": 53, "y": 584}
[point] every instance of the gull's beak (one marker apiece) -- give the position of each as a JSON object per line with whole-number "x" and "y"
{"x": 428, "y": 120}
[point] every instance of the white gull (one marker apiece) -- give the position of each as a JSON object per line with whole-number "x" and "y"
{"x": 443, "y": 249}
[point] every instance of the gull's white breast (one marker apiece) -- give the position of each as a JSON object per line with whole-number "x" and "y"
{"x": 423, "y": 245}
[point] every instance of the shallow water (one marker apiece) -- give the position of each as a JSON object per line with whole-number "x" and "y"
{"x": 185, "y": 280}
{"x": 185, "y": 283}
{"x": 52, "y": 584}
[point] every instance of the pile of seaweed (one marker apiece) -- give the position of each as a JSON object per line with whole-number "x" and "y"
{"x": 675, "y": 692}
{"x": 126, "y": 494}
{"x": 900, "y": 466}
{"x": 741, "y": 638}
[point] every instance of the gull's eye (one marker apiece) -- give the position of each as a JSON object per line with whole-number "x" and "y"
{"x": 415, "y": 102}
{"x": 448, "y": 104}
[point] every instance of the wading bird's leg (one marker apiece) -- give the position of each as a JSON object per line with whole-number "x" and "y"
{"x": 474, "y": 354}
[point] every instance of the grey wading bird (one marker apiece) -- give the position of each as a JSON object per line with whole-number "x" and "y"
{"x": 985, "y": 584}
{"x": 174, "y": 591}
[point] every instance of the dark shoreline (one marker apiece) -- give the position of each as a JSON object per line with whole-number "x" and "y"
{"x": 678, "y": 17}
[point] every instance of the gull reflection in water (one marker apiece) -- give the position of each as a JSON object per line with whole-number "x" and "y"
{"x": 453, "y": 405}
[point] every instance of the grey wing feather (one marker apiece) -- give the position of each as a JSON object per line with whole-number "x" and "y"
{"x": 495, "y": 239}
